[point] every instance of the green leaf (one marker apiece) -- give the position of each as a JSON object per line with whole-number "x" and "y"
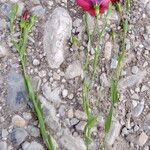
{"x": 13, "y": 13}
{"x": 95, "y": 61}
{"x": 125, "y": 26}
{"x": 74, "y": 41}
{"x": 114, "y": 91}
{"x": 108, "y": 121}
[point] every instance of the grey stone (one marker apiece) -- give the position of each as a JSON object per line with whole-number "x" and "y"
{"x": 33, "y": 131}
{"x": 144, "y": 88}
{"x": 137, "y": 111}
{"x": 3, "y": 24}
{"x": 4, "y": 133}
{"x": 108, "y": 49}
{"x": 114, "y": 63}
{"x": 36, "y": 83}
{"x": 74, "y": 121}
{"x": 5, "y": 9}
{"x": 16, "y": 95}
{"x": 64, "y": 93}
{"x": 18, "y": 136}
{"x": 3, "y": 51}
{"x": 50, "y": 114}
{"x": 34, "y": 146}
{"x": 114, "y": 132}
{"x": 3, "y": 146}
{"x": 132, "y": 80}
{"x": 135, "y": 69}
{"x": 72, "y": 143}
{"x": 62, "y": 110}
{"x": 52, "y": 96}
{"x": 80, "y": 115}
{"x": 57, "y": 32}
{"x": 38, "y": 11}
{"x": 36, "y": 62}
{"x": 104, "y": 81}
{"x": 80, "y": 126}
{"x": 74, "y": 70}
{"x": 77, "y": 22}
{"x": 147, "y": 8}
{"x": 114, "y": 16}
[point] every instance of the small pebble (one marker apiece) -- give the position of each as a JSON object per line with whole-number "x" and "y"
{"x": 18, "y": 121}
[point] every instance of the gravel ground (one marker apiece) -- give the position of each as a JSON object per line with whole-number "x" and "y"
{"x": 55, "y": 66}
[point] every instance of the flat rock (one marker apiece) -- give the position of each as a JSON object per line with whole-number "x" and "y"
{"x": 108, "y": 49}
{"x": 16, "y": 95}
{"x": 52, "y": 96}
{"x": 34, "y": 146}
{"x": 114, "y": 132}
{"x": 3, "y": 146}
{"x": 104, "y": 80}
{"x": 137, "y": 111}
{"x": 72, "y": 143}
{"x": 18, "y": 136}
{"x": 74, "y": 70}
{"x": 18, "y": 121}
{"x": 3, "y": 51}
{"x": 50, "y": 115}
{"x": 132, "y": 80}
{"x": 57, "y": 32}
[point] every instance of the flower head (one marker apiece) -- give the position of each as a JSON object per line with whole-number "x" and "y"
{"x": 26, "y": 15}
{"x": 90, "y": 5}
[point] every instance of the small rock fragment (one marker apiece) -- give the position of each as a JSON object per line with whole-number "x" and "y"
{"x": 114, "y": 63}
{"x": 72, "y": 143}
{"x": 35, "y": 146}
{"x": 57, "y": 32}
{"x": 16, "y": 95}
{"x": 137, "y": 111}
{"x": 74, "y": 70}
{"x": 104, "y": 81}
{"x": 108, "y": 49}
{"x": 80, "y": 115}
{"x": 18, "y": 121}
{"x": 64, "y": 93}
{"x": 3, "y": 146}
{"x": 3, "y": 51}
{"x": 132, "y": 80}
{"x": 18, "y": 136}
{"x": 114, "y": 133}
{"x": 135, "y": 70}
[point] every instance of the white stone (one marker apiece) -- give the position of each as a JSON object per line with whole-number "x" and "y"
{"x": 14, "y": 1}
{"x": 137, "y": 111}
{"x": 142, "y": 139}
{"x": 3, "y": 146}
{"x": 57, "y": 32}
{"x": 18, "y": 121}
{"x": 72, "y": 143}
{"x": 3, "y": 51}
{"x": 52, "y": 96}
{"x": 36, "y": 62}
{"x": 132, "y": 80}
{"x": 135, "y": 69}
{"x": 74, "y": 70}
{"x": 64, "y": 93}
{"x": 35, "y": 146}
{"x": 108, "y": 49}
{"x": 113, "y": 133}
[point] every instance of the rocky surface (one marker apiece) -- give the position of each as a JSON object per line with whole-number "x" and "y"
{"x": 56, "y": 68}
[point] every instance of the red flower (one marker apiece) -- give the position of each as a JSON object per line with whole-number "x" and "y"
{"x": 26, "y": 15}
{"x": 89, "y": 5}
